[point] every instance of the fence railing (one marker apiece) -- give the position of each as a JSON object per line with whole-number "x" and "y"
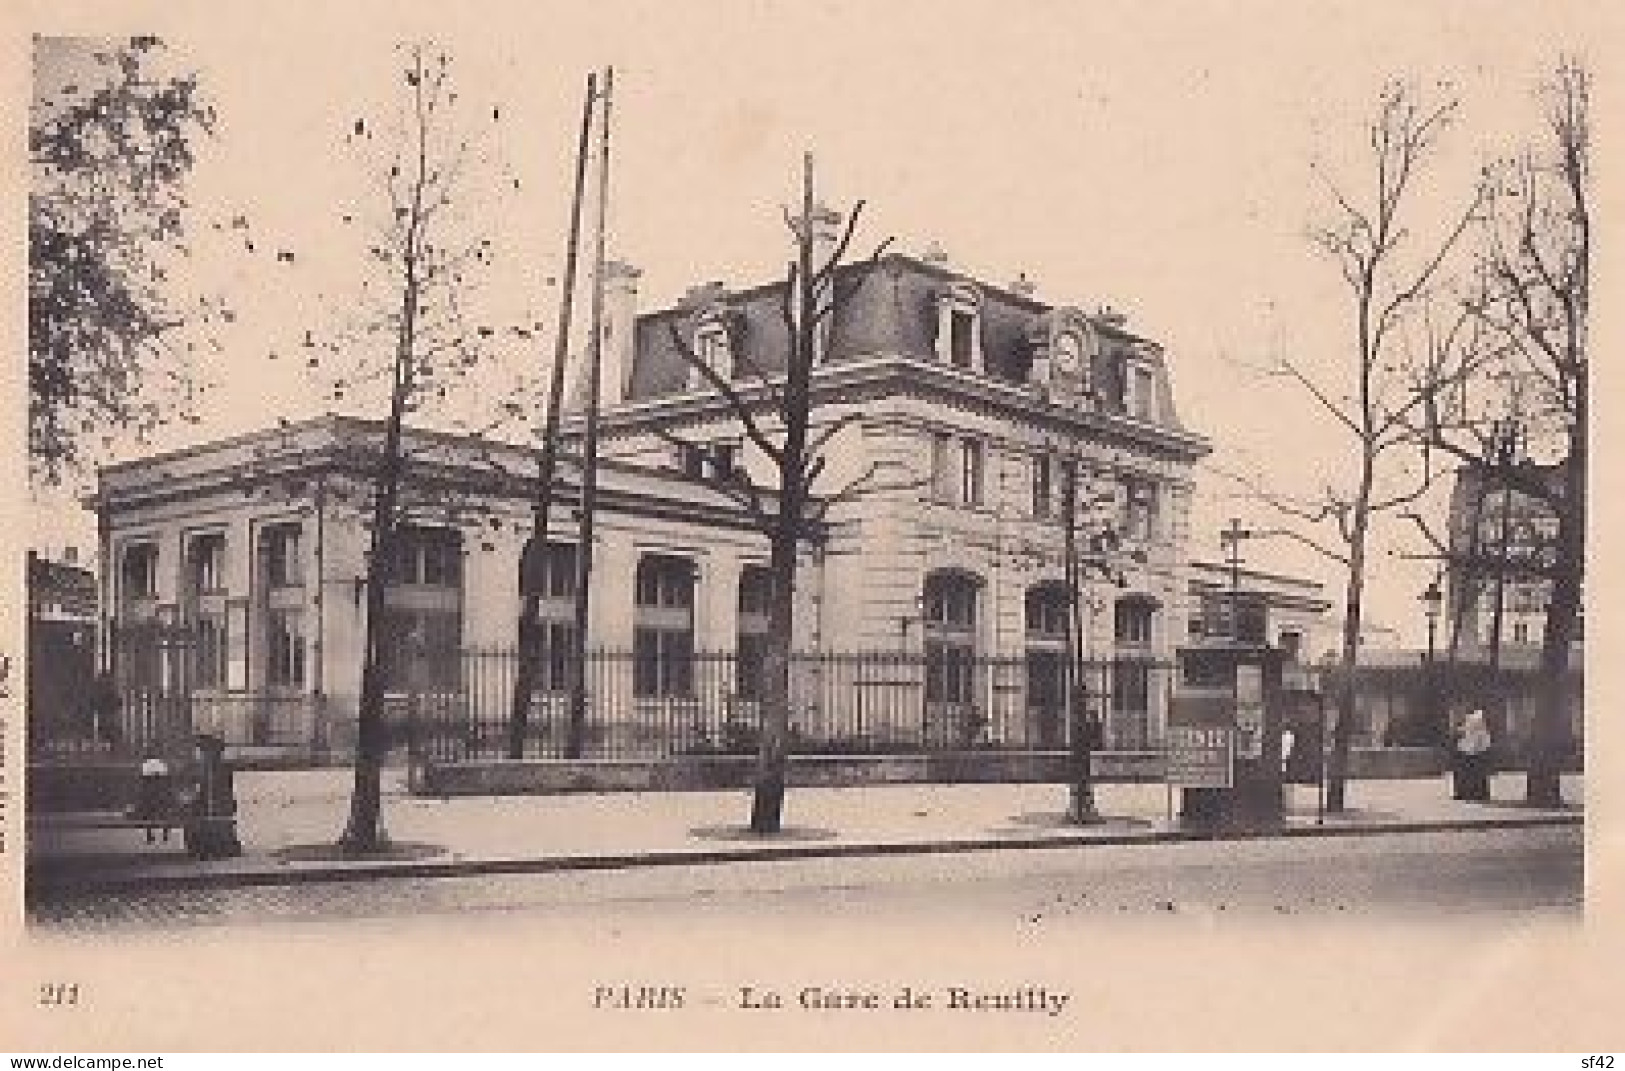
{"x": 839, "y": 704}
{"x": 656, "y": 705}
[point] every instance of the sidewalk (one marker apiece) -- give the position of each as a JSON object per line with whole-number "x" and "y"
{"x": 288, "y": 821}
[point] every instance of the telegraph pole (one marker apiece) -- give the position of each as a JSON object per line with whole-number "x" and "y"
{"x": 534, "y": 561}
{"x": 589, "y": 444}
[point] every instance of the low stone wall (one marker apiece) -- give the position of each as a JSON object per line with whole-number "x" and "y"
{"x": 499, "y": 777}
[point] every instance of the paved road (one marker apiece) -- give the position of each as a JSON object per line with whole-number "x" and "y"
{"x": 1465, "y": 873}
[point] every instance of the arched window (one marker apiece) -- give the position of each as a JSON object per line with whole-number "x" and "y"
{"x": 1049, "y": 627}
{"x": 755, "y": 596}
{"x": 950, "y": 636}
{"x": 1049, "y": 614}
{"x": 1133, "y": 621}
{"x": 551, "y": 578}
{"x": 663, "y": 626}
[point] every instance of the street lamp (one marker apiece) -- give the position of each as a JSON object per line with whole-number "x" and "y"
{"x": 1432, "y": 601}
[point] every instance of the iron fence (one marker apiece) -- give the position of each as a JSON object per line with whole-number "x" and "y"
{"x": 869, "y": 703}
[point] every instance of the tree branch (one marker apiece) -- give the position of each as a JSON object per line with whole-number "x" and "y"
{"x": 747, "y": 418}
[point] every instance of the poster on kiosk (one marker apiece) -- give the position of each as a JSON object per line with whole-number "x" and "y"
{"x": 1223, "y": 747}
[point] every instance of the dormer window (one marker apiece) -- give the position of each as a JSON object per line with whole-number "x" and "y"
{"x": 1140, "y": 390}
{"x": 961, "y": 334}
{"x": 959, "y": 327}
{"x": 711, "y": 347}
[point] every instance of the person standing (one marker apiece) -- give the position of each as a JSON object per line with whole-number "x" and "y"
{"x": 1473, "y": 745}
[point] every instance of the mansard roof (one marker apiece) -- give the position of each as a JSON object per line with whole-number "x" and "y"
{"x": 891, "y": 309}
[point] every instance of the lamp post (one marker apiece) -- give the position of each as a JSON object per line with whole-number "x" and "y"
{"x": 1432, "y": 602}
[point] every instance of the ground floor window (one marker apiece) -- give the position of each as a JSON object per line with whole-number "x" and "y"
{"x": 663, "y": 626}
{"x": 209, "y": 649}
{"x": 285, "y": 648}
{"x": 755, "y": 596}
{"x": 950, "y": 637}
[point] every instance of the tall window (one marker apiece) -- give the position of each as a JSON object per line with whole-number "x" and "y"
{"x": 423, "y": 613}
{"x": 285, "y": 648}
{"x": 1048, "y": 620}
{"x": 280, "y": 562}
{"x": 663, "y": 627}
{"x": 950, "y": 637}
{"x": 282, "y": 599}
{"x": 970, "y": 472}
{"x": 209, "y": 648}
{"x": 755, "y": 597}
{"x": 1043, "y": 487}
{"x": 1139, "y": 509}
{"x": 206, "y": 563}
{"x": 553, "y": 582}
{"x": 204, "y": 607}
{"x": 942, "y": 471}
{"x": 138, "y": 572}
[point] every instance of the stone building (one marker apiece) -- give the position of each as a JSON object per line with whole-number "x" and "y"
{"x": 962, "y": 404}
{"x": 958, "y": 405}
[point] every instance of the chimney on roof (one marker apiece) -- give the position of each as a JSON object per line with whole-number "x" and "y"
{"x": 935, "y": 254}
{"x": 70, "y": 554}
{"x": 702, "y": 294}
{"x": 1111, "y": 317}
{"x": 620, "y": 329}
{"x": 1024, "y": 286}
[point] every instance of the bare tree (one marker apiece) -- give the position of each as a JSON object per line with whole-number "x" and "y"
{"x": 1389, "y": 274}
{"x": 776, "y": 415}
{"x": 1534, "y": 306}
{"x": 430, "y": 344}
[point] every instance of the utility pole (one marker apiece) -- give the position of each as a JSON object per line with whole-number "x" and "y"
{"x": 532, "y": 567}
{"x": 1232, "y": 537}
{"x": 589, "y": 444}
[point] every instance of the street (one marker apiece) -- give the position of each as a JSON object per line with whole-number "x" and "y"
{"x": 1435, "y": 875}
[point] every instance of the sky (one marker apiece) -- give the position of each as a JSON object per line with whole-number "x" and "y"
{"x": 1157, "y": 158}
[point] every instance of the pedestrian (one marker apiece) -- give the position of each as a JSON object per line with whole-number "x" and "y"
{"x": 1472, "y": 754}
{"x": 212, "y": 826}
{"x": 155, "y": 799}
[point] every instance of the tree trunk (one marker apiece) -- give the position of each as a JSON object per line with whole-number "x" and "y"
{"x": 1548, "y": 736}
{"x": 1353, "y": 612}
{"x": 363, "y": 833}
{"x": 772, "y": 756}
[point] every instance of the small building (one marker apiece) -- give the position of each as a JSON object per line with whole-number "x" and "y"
{"x": 61, "y": 648}
{"x": 1256, "y": 607}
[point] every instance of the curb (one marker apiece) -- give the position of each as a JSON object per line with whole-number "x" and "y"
{"x": 365, "y": 871}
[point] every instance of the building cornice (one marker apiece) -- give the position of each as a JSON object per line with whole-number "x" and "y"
{"x": 856, "y": 380}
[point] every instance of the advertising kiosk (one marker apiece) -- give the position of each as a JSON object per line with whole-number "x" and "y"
{"x": 1224, "y": 736}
